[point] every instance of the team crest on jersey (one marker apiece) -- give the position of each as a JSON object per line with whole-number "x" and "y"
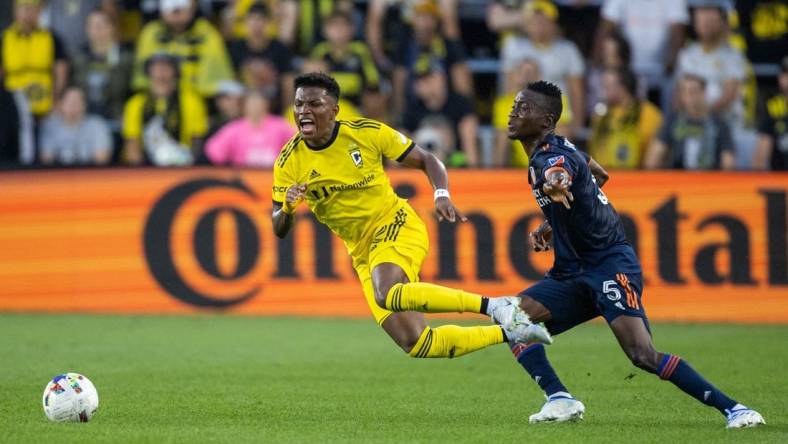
{"x": 556, "y": 161}
{"x": 355, "y": 154}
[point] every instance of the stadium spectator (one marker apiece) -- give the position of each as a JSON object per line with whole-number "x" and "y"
{"x": 615, "y": 55}
{"x": 504, "y": 16}
{"x": 228, "y": 103}
{"x": 655, "y": 31}
{"x": 204, "y": 59}
{"x": 712, "y": 58}
{"x": 389, "y": 21}
{"x": 559, "y": 59}
{"x": 102, "y": 68}
{"x": 763, "y": 24}
{"x": 67, "y": 19}
{"x": 262, "y": 62}
{"x": 578, "y": 19}
{"x": 283, "y": 27}
{"x": 724, "y": 69}
{"x": 253, "y": 140}
{"x": 311, "y": 16}
{"x": 623, "y": 127}
{"x": 164, "y": 125}
{"x": 33, "y": 59}
{"x": 772, "y": 151}
{"x": 350, "y": 63}
{"x": 70, "y": 136}
{"x": 507, "y": 152}
{"x": 692, "y": 138}
{"x": 441, "y": 120}
{"x": 132, "y": 15}
{"x": 427, "y": 46}
{"x": 9, "y": 129}
{"x": 16, "y": 129}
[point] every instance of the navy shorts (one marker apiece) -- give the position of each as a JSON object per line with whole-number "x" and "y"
{"x": 596, "y": 292}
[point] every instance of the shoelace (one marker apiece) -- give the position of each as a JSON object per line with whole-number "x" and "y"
{"x": 733, "y": 414}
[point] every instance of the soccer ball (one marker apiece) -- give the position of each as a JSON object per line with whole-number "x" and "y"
{"x": 70, "y": 397}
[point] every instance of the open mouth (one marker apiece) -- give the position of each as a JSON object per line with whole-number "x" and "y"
{"x": 307, "y": 125}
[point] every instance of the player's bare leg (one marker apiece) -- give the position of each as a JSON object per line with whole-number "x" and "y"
{"x": 405, "y": 328}
{"x": 635, "y": 340}
{"x": 560, "y": 405}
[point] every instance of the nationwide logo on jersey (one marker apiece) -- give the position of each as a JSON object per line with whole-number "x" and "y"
{"x": 355, "y": 154}
{"x": 314, "y": 174}
{"x": 556, "y": 161}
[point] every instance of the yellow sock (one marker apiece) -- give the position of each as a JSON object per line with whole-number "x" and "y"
{"x": 449, "y": 341}
{"x": 430, "y": 298}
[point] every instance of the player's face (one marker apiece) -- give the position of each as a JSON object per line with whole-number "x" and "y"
{"x": 315, "y": 113}
{"x": 525, "y": 119}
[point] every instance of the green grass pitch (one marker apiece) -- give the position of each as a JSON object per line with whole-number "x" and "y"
{"x": 244, "y": 379}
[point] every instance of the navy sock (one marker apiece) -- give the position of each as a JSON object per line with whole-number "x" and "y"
{"x": 534, "y": 360}
{"x": 677, "y": 371}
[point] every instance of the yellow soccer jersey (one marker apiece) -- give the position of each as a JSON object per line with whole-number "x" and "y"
{"x": 347, "y": 187}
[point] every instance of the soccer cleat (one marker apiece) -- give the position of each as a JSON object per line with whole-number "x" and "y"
{"x": 515, "y": 322}
{"x": 503, "y": 310}
{"x": 559, "y": 409}
{"x": 742, "y": 417}
{"x": 523, "y": 333}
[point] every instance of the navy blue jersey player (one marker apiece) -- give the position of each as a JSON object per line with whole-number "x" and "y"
{"x": 596, "y": 271}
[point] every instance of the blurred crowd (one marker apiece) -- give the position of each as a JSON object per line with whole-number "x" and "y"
{"x": 680, "y": 84}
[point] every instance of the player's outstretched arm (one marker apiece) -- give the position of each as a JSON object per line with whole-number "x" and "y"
{"x": 598, "y": 172}
{"x": 283, "y": 214}
{"x": 436, "y": 172}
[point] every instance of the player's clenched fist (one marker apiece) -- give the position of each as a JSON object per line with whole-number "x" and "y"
{"x": 295, "y": 194}
{"x": 541, "y": 237}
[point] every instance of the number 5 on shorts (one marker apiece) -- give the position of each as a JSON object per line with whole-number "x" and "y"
{"x": 610, "y": 290}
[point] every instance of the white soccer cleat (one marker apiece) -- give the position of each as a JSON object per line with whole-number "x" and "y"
{"x": 739, "y": 418}
{"x": 525, "y": 333}
{"x": 559, "y": 409}
{"x": 504, "y": 309}
{"x": 515, "y": 322}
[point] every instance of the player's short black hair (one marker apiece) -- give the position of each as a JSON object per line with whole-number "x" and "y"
{"x": 319, "y": 80}
{"x": 551, "y": 98}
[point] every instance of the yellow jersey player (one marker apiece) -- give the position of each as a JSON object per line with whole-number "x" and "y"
{"x": 336, "y": 167}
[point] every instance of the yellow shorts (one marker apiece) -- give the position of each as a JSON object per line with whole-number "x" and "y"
{"x": 401, "y": 239}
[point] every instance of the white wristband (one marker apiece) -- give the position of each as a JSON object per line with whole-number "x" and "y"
{"x": 441, "y": 192}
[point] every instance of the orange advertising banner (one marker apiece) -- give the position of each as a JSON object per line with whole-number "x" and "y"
{"x": 712, "y": 245}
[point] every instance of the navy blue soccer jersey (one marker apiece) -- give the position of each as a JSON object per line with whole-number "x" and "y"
{"x": 591, "y": 230}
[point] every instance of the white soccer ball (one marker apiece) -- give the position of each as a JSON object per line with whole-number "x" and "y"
{"x": 70, "y": 397}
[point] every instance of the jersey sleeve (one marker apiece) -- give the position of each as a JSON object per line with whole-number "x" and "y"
{"x": 283, "y": 173}
{"x": 567, "y": 162}
{"x": 393, "y": 144}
